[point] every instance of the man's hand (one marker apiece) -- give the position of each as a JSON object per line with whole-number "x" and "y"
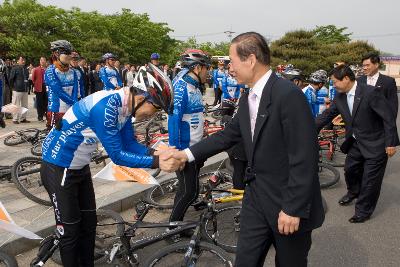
{"x": 168, "y": 163}
{"x": 182, "y": 157}
{"x": 162, "y": 149}
{"x": 287, "y": 224}
{"x": 390, "y": 151}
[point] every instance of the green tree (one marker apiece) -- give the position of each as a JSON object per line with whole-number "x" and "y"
{"x": 330, "y": 34}
{"x": 308, "y": 52}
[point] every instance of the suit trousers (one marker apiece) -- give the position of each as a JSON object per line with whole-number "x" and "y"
{"x": 256, "y": 237}
{"x": 364, "y": 179}
{"x": 20, "y": 99}
{"x": 41, "y": 104}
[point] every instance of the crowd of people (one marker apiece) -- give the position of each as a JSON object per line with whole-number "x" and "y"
{"x": 272, "y": 138}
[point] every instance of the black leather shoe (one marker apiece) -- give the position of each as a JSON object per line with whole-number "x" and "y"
{"x": 358, "y": 219}
{"x": 346, "y": 200}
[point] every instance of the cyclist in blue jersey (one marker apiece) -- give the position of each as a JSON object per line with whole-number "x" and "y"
{"x": 230, "y": 93}
{"x": 109, "y": 74}
{"x": 62, "y": 82}
{"x": 322, "y": 93}
{"x": 218, "y": 75}
{"x": 105, "y": 117}
{"x": 75, "y": 57}
{"x": 185, "y": 124}
{"x": 317, "y": 80}
{"x": 155, "y": 59}
{"x": 295, "y": 76}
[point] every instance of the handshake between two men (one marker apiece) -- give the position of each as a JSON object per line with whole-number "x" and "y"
{"x": 171, "y": 159}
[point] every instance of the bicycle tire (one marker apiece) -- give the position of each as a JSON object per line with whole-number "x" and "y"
{"x": 328, "y": 175}
{"x": 228, "y": 165}
{"x": 217, "y": 114}
{"x": 338, "y": 159}
{"x": 140, "y": 127}
{"x": 102, "y": 214}
{"x": 16, "y": 139}
{"x": 7, "y": 260}
{"x": 230, "y": 228}
{"x": 324, "y": 205}
{"x": 162, "y": 196}
{"x": 36, "y": 149}
{"x": 159, "y": 258}
{"x": 29, "y": 182}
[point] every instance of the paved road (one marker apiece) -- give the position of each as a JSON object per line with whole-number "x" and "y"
{"x": 339, "y": 243}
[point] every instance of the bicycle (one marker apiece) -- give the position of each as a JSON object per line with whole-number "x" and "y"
{"x": 121, "y": 250}
{"x": 49, "y": 246}
{"x": 30, "y": 135}
{"x": 162, "y": 196}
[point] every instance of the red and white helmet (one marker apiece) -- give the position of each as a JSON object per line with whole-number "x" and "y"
{"x": 155, "y": 86}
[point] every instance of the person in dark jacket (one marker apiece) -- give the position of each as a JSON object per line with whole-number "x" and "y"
{"x": 19, "y": 83}
{"x": 94, "y": 79}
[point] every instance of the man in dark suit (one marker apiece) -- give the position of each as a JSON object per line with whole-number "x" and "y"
{"x": 371, "y": 137}
{"x": 370, "y": 63}
{"x": 282, "y": 201}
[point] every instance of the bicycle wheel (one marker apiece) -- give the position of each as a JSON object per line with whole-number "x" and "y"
{"x": 7, "y": 260}
{"x": 328, "y": 175}
{"x": 205, "y": 254}
{"x": 36, "y": 149}
{"x": 105, "y": 235}
{"x": 21, "y": 137}
{"x": 25, "y": 173}
{"x": 140, "y": 127}
{"x": 163, "y": 195}
{"x": 337, "y": 160}
{"x": 223, "y": 228}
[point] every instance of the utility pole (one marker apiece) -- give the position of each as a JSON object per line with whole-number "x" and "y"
{"x": 229, "y": 33}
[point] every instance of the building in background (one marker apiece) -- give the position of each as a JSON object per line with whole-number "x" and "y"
{"x": 391, "y": 67}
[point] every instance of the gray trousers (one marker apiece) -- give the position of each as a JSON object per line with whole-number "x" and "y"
{"x": 20, "y": 99}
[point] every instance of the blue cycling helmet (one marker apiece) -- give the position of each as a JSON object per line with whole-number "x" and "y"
{"x": 155, "y": 56}
{"x": 108, "y": 56}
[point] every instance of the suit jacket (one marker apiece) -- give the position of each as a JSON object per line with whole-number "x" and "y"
{"x": 19, "y": 78}
{"x": 372, "y": 122}
{"x": 389, "y": 89}
{"x": 283, "y": 155}
{"x": 38, "y": 79}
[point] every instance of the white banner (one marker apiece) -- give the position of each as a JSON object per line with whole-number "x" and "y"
{"x": 118, "y": 173}
{"x": 8, "y": 224}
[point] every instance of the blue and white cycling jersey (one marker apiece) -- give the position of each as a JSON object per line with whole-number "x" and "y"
{"x": 332, "y": 90}
{"x": 230, "y": 88}
{"x": 110, "y": 78}
{"x": 309, "y": 92}
{"x": 185, "y": 125}
{"x": 62, "y": 89}
{"x": 100, "y": 117}
{"x": 217, "y": 78}
{"x": 321, "y": 95}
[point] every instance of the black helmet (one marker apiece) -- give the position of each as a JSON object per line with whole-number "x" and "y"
{"x": 155, "y": 86}
{"x": 319, "y": 76}
{"x": 193, "y": 57}
{"x": 61, "y": 46}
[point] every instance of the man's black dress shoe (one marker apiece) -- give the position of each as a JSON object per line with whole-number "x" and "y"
{"x": 345, "y": 200}
{"x": 358, "y": 219}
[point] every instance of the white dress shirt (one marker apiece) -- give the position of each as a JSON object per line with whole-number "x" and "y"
{"x": 350, "y": 97}
{"x": 258, "y": 90}
{"x": 371, "y": 80}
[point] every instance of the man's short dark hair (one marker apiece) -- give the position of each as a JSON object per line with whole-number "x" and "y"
{"x": 342, "y": 71}
{"x": 252, "y": 43}
{"x": 373, "y": 57}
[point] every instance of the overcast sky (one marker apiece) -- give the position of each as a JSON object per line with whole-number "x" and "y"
{"x": 377, "y": 22}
